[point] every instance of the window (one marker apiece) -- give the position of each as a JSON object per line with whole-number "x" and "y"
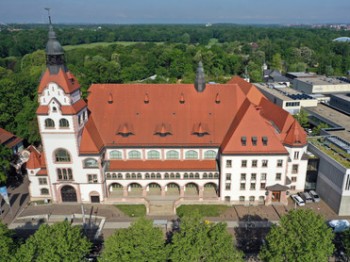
{"x": 296, "y": 155}
{"x": 42, "y": 181}
{"x": 205, "y": 175}
{"x": 90, "y": 163}
{"x": 64, "y": 122}
{"x": 172, "y": 154}
{"x": 49, "y": 123}
{"x": 264, "y": 163}
{"x": 84, "y": 115}
{"x": 294, "y": 179}
{"x": 262, "y": 185}
{"x": 243, "y": 177}
{"x": 253, "y": 176}
{"x": 92, "y": 178}
{"x": 292, "y": 187}
{"x": 210, "y": 154}
{"x": 254, "y": 163}
{"x": 228, "y": 176}
{"x": 54, "y": 109}
{"x": 166, "y": 176}
{"x": 251, "y": 198}
{"x": 242, "y": 186}
{"x": 264, "y": 140}
{"x": 191, "y": 154}
{"x": 159, "y": 176}
{"x": 178, "y": 175}
{"x": 44, "y": 191}
{"x": 279, "y": 163}
{"x": 134, "y": 154}
{"x": 254, "y": 140}
{"x": 79, "y": 119}
{"x": 147, "y": 176}
{"x": 228, "y": 163}
{"x": 261, "y": 198}
{"x": 185, "y": 175}
{"x": 64, "y": 174}
{"x": 295, "y": 169}
{"x": 228, "y": 186}
{"x": 127, "y": 176}
{"x": 62, "y": 155}
{"x": 153, "y": 154}
{"x": 292, "y": 104}
{"x": 244, "y": 140}
{"x": 244, "y": 163}
{"x": 196, "y": 175}
{"x": 115, "y": 154}
{"x": 278, "y": 176}
{"x": 241, "y": 199}
{"x": 252, "y": 186}
{"x": 263, "y": 176}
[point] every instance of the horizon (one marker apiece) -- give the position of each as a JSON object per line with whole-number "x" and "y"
{"x": 268, "y": 12}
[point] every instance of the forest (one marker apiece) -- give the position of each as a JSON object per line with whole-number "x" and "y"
{"x": 157, "y": 54}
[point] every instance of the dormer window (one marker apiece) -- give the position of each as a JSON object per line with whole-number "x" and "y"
{"x": 244, "y": 140}
{"x": 125, "y": 130}
{"x": 200, "y": 130}
{"x": 217, "y": 98}
{"x": 182, "y": 99}
{"x": 146, "y": 99}
{"x": 163, "y": 130}
{"x": 254, "y": 140}
{"x": 264, "y": 140}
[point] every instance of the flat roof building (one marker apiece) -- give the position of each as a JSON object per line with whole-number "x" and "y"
{"x": 321, "y": 85}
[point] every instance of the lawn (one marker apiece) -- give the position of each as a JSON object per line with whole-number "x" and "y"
{"x": 133, "y": 210}
{"x": 203, "y": 210}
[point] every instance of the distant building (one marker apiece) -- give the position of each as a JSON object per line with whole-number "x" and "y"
{"x": 11, "y": 141}
{"x": 341, "y": 102}
{"x": 322, "y": 85}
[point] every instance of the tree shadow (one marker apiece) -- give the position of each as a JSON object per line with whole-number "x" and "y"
{"x": 13, "y": 198}
{"x": 29, "y": 227}
{"x": 251, "y": 232}
{"x": 23, "y": 198}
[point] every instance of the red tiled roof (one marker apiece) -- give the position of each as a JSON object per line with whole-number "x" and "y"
{"x": 296, "y": 135}
{"x": 168, "y": 165}
{"x": 66, "y": 110}
{"x": 248, "y": 125}
{"x": 65, "y": 80}
{"x": 91, "y": 141}
{"x": 36, "y": 160}
{"x": 8, "y": 139}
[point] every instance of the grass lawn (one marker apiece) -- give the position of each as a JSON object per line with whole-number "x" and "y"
{"x": 102, "y": 44}
{"x": 204, "y": 210}
{"x": 133, "y": 210}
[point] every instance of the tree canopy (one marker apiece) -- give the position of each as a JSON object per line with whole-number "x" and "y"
{"x": 7, "y": 245}
{"x": 5, "y": 158}
{"x": 301, "y": 235}
{"x": 140, "y": 242}
{"x": 59, "y": 242}
{"x": 200, "y": 240}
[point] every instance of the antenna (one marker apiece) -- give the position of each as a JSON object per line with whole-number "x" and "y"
{"x": 48, "y": 13}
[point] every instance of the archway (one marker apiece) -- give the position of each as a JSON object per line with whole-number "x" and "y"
{"x": 134, "y": 189}
{"x": 116, "y": 189}
{"x": 191, "y": 189}
{"x": 68, "y": 194}
{"x": 210, "y": 190}
{"x": 172, "y": 189}
{"x": 154, "y": 189}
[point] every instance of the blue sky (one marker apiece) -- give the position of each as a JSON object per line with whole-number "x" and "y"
{"x": 176, "y": 11}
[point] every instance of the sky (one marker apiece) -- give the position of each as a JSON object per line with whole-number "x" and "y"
{"x": 176, "y": 11}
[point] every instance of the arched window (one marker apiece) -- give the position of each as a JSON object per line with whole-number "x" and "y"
{"x": 191, "y": 154}
{"x": 90, "y": 163}
{"x": 115, "y": 154}
{"x": 153, "y": 154}
{"x": 44, "y": 191}
{"x": 134, "y": 154}
{"x": 62, "y": 155}
{"x": 49, "y": 123}
{"x": 210, "y": 154}
{"x": 172, "y": 154}
{"x": 64, "y": 122}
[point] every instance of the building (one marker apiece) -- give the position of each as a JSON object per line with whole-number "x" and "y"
{"x": 11, "y": 141}
{"x": 322, "y": 85}
{"x": 131, "y": 142}
{"x": 341, "y": 102}
{"x": 287, "y": 98}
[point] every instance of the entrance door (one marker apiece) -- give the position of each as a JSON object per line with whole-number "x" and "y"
{"x": 276, "y": 196}
{"x": 68, "y": 194}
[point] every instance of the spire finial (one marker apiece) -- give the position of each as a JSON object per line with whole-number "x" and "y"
{"x": 200, "y": 79}
{"x": 48, "y": 14}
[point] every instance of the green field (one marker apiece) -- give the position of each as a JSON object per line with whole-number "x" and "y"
{"x": 102, "y": 44}
{"x": 133, "y": 210}
{"x": 203, "y": 210}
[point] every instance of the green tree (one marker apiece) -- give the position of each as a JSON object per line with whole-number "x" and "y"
{"x": 316, "y": 131}
{"x": 302, "y": 235}
{"x": 59, "y": 242}
{"x": 276, "y": 62}
{"x": 200, "y": 240}
{"x": 7, "y": 245}
{"x": 302, "y": 118}
{"x": 346, "y": 242}
{"x": 5, "y": 158}
{"x": 140, "y": 242}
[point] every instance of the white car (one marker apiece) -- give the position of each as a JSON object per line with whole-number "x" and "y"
{"x": 314, "y": 196}
{"x": 298, "y": 200}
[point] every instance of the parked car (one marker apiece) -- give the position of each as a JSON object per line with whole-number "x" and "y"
{"x": 298, "y": 200}
{"x": 314, "y": 196}
{"x": 306, "y": 197}
{"x": 339, "y": 225}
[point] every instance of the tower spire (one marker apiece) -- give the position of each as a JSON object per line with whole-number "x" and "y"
{"x": 54, "y": 51}
{"x": 199, "y": 83}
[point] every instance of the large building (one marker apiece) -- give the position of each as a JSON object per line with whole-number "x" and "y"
{"x": 130, "y": 142}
